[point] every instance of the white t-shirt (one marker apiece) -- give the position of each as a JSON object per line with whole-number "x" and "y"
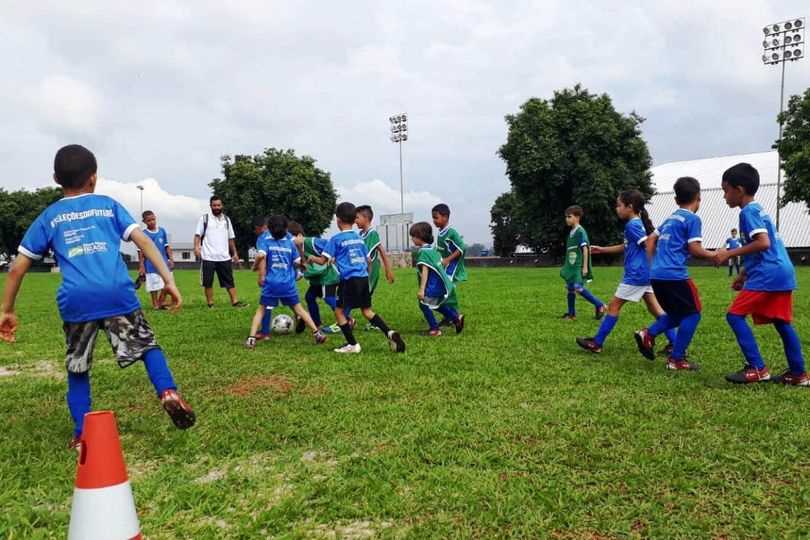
{"x": 215, "y": 243}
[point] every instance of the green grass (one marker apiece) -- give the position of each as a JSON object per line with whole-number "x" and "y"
{"x": 508, "y": 430}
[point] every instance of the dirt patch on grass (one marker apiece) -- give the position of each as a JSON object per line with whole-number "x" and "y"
{"x": 43, "y": 368}
{"x": 8, "y": 372}
{"x": 355, "y": 530}
{"x": 584, "y": 534}
{"x": 248, "y": 385}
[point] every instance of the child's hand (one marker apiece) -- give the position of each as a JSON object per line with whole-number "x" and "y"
{"x": 721, "y": 257}
{"x": 260, "y": 281}
{"x": 596, "y": 250}
{"x": 446, "y": 262}
{"x": 171, "y": 264}
{"x": 389, "y": 277}
{"x": 738, "y": 283}
{"x": 8, "y": 327}
{"x": 172, "y": 290}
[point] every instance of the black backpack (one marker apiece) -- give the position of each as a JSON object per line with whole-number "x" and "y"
{"x": 205, "y": 225}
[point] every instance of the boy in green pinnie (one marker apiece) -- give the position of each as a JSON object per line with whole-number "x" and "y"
{"x": 436, "y": 289}
{"x": 378, "y": 257}
{"x": 576, "y": 268}
{"x": 450, "y": 245}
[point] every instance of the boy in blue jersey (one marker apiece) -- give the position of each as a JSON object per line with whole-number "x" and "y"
{"x": 678, "y": 238}
{"x": 635, "y": 284}
{"x": 278, "y": 262}
{"x": 349, "y": 253}
{"x": 733, "y": 242}
{"x": 154, "y": 283}
{"x": 766, "y": 283}
{"x": 323, "y": 279}
{"x": 260, "y": 230}
{"x": 84, "y": 231}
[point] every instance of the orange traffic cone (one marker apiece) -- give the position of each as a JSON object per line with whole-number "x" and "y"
{"x": 103, "y": 506}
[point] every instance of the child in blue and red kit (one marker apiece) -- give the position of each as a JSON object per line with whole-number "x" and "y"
{"x": 766, "y": 283}
{"x": 678, "y": 238}
{"x": 84, "y": 231}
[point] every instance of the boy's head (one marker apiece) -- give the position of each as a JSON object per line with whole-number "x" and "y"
{"x": 733, "y": 232}
{"x": 345, "y": 213}
{"x": 259, "y": 224}
{"x": 295, "y": 229}
{"x": 74, "y": 168}
{"x": 149, "y": 219}
{"x": 739, "y": 182}
{"x": 573, "y": 215}
{"x": 441, "y": 215}
{"x": 216, "y": 205}
{"x": 277, "y": 225}
{"x": 364, "y": 217}
{"x": 687, "y": 192}
{"x": 421, "y": 233}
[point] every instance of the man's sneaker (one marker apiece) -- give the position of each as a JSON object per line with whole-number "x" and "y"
{"x": 445, "y": 322}
{"x": 646, "y": 344}
{"x": 300, "y": 325}
{"x": 433, "y": 332}
{"x": 75, "y": 443}
{"x": 179, "y": 411}
{"x": 681, "y": 365}
{"x": 459, "y": 324}
{"x": 792, "y": 379}
{"x": 349, "y": 349}
{"x": 332, "y": 329}
{"x": 569, "y": 317}
{"x": 239, "y": 304}
{"x": 748, "y": 375}
{"x": 589, "y": 344}
{"x": 319, "y": 337}
{"x": 395, "y": 342}
{"x": 250, "y": 343}
{"x": 600, "y": 312}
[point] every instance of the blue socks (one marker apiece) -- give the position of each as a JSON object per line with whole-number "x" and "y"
{"x": 746, "y": 340}
{"x": 662, "y": 324}
{"x": 449, "y": 313}
{"x": 605, "y": 328}
{"x": 78, "y": 399}
{"x": 429, "y": 317}
{"x": 686, "y": 331}
{"x": 587, "y": 295}
{"x": 266, "y": 318}
{"x": 671, "y": 335}
{"x": 158, "y": 370}
{"x": 572, "y": 302}
{"x": 793, "y": 347}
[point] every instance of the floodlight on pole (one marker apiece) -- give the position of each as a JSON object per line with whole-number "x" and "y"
{"x": 140, "y": 188}
{"x": 399, "y": 134}
{"x": 784, "y": 42}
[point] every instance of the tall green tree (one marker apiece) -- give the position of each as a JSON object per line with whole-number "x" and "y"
{"x": 274, "y": 182}
{"x": 18, "y": 209}
{"x": 573, "y": 149}
{"x": 505, "y": 225}
{"x": 794, "y": 149}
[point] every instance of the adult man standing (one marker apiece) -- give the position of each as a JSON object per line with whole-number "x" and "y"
{"x": 214, "y": 245}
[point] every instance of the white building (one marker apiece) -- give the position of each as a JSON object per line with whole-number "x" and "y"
{"x": 183, "y": 252}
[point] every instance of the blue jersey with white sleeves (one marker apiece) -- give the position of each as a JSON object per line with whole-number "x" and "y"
{"x": 85, "y": 232}
{"x": 281, "y": 258}
{"x": 733, "y": 242}
{"x": 349, "y": 252}
{"x": 672, "y": 251}
{"x": 636, "y": 266}
{"x": 161, "y": 240}
{"x": 769, "y": 270}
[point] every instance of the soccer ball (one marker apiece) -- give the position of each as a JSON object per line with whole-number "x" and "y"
{"x": 282, "y": 324}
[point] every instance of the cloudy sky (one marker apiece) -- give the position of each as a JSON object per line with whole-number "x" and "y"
{"x": 160, "y": 90}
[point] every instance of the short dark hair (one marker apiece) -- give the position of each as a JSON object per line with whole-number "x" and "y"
{"x": 366, "y": 211}
{"x": 423, "y": 231}
{"x": 73, "y": 166}
{"x": 278, "y": 226}
{"x": 146, "y": 214}
{"x": 260, "y": 221}
{"x": 441, "y": 209}
{"x": 214, "y": 198}
{"x": 743, "y": 175}
{"x": 574, "y": 210}
{"x": 734, "y": 229}
{"x": 346, "y": 212}
{"x": 686, "y": 189}
{"x": 295, "y": 228}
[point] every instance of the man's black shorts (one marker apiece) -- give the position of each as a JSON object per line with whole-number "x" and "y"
{"x": 677, "y": 298}
{"x": 322, "y": 291}
{"x": 353, "y": 293}
{"x": 224, "y": 271}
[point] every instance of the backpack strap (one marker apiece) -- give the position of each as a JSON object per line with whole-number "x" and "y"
{"x": 205, "y": 226}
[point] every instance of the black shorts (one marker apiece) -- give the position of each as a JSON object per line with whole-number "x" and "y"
{"x": 353, "y": 293}
{"x": 677, "y": 298}
{"x": 129, "y": 335}
{"x": 224, "y": 271}
{"x": 322, "y": 291}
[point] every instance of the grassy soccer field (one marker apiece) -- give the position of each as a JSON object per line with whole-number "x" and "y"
{"x": 507, "y": 430}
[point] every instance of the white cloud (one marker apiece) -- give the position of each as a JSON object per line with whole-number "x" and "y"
{"x": 384, "y": 199}
{"x": 67, "y": 104}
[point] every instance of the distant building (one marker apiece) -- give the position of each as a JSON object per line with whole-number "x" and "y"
{"x": 183, "y": 252}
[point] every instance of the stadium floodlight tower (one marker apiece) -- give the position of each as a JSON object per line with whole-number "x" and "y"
{"x": 140, "y": 188}
{"x": 399, "y": 134}
{"x": 783, "y": 43}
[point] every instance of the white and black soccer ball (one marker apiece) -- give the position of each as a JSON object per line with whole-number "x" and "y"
{"x": 282, "y": 324}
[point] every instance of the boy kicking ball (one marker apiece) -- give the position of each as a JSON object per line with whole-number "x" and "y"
{"x": 84, "y": 231}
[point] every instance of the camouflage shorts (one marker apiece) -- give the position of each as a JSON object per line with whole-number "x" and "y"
{"x": 130, "y": 337}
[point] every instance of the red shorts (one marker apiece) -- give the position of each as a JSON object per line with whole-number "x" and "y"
{"x": 764, "y": 307}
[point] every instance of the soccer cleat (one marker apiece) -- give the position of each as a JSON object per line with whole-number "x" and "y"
{"x": 600, "y": 312}
{"x": 433, "y": 332}
{"x": 300, "y": 325}
{"x": 239, "y": 304}
{"x": 349, "y": 349}
{"x": 646, "y": 344}
{"x": 569, "y": 317}
{"x": 681, "y": 365}
{"x": 792, "y": 379}
{"x": 333, "y": 329}
{"x": 748, "y": 375}
{"x": 589, "y": 344}
{"x": 395, "y": 342}
{"x": 250, "y": 343}
{"x": 459, "y": 324}
{"x": 319, "y": 337}
{"x": 210, "y": 306}
{"x": 179, "y": 411}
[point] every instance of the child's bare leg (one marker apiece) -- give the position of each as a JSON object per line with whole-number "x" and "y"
{"x": 302, "y": 313}
{"x": 340, "y": 316}
{"x": 653, "y": 306}
{"x": 161, "y": 297}
{"x": 257, "y": 320}
{"x": 615, "y": 306}
{"x": 154, "y": 296}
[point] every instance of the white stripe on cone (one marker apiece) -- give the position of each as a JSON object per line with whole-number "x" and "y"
{"x": 104, "y": 514}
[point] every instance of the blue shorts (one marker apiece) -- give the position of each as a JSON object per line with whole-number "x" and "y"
{"x": 273, "y": 301}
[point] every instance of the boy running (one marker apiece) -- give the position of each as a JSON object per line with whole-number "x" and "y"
{"x": 766, "y": 283}
{"x": 576, "y": 268}
{"x": 262, "y": 236}
{"x": 450, "y": 244}
{"x": 154, "y": 283}
{"x": 84, "y": 231}
{"x": 376, "y": 251}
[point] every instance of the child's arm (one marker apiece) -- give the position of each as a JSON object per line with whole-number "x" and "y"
{"x": 8, "y": 318}
{"x": 608, "y": 250}
{"x": 423, "y": 279}
{"x": 652, "y": 242}
{"x": 261, "y": 267}
{"x": 696, "y": 249}
{"x": 169, "y": 257}
{"x": 318, "y": 259}
{"x": 150, "y": 252}
{"x": 586, "y": 250}
{"x": 450, "y": 258}
{"x": 760, "y": 242}
{"x": 389, "y": 275}
{"x": 141, "y": 263}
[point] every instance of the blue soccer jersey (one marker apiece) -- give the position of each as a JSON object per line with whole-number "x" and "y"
{"x": 636, "y": 266}
{"x": 84, "y": 232}
{"x": 732, "y": 242}
{"x": 161, "y": 240}
{"x": 281, "y": 258}
{"x": 674, "y": 236}
{"x": 769, "y": 270}
{"x": 349, "y": 253}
